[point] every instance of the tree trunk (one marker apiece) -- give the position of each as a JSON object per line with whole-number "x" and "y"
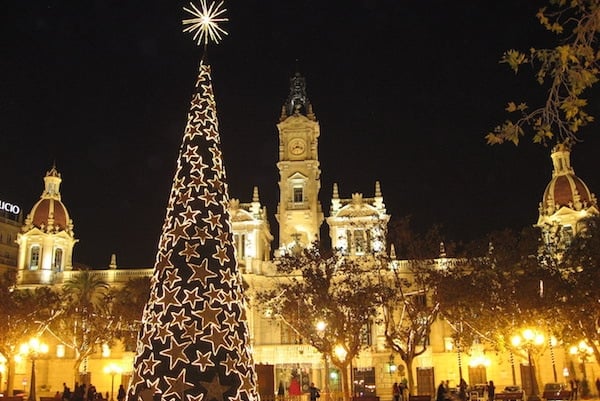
{"x": 345, "y": 382}
{"x": 411, "y": 379}
{"x": 10, "y": 375}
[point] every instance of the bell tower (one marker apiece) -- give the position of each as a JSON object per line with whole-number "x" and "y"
{"x": 299, "y": 211}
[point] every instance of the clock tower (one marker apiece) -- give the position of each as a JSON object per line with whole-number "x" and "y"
{"x": 299, "y": 211}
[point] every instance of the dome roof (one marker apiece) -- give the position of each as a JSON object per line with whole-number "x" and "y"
{"x": 565, "y": 189}
{"x": 49, "y": 214}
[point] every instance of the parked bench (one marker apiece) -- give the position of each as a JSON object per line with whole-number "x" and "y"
{"x": 509, "y": 396}
{"x": 421, "y": 397}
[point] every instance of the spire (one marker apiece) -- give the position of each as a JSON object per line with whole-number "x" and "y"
{"x": 392, "y": 252}
{"x": 297, "y": 101}
{"x": 194, "y": 341}
{"x": 377, "y": 189}
{"x": 52, "y": 182}
{"x": 336, "y": 203}
{"x": 561, "y": 159}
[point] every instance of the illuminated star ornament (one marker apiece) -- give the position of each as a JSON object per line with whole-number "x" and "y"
{"x": 204, "y": 25}
{"x": 194, "y": 341}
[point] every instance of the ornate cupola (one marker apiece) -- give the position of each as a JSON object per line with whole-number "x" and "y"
{"x": 46, "y": 240}
{"x": 299, "y": 211}
{"x": 566, "y": 201}
{"x": 297, "y": 101}
{"x": 357, "y": 224}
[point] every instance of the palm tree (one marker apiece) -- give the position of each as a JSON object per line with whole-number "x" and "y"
{"x": 85, "y": 322}
{"x": 86, "y": 288}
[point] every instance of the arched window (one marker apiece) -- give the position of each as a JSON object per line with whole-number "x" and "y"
{"x": 34, "y": 260}
{"x": 58, "y": 257}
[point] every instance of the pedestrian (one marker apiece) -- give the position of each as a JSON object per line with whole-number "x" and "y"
{"x": 66, "y": 395}
{"x": 462, "y": 390}
{"x": 491, "y": 389}
{"x": 441, "y": 392}
{"x": 91, "y": 393}
{"x": 314, "y": 392}
{"x": 294, "y": 389}
{"x": 573, "y": 384}
{"x": 396, "y": 391}
{"x": 121, "y": 393}
{"x": 404, "y": 389}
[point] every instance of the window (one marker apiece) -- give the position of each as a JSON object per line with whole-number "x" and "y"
{"x": 566, "y": 235}
{"x": 288, "y": 335}
{"x": 359, "y": 241}
{"x": 58, "y": 256}
{"x": 34, "y": 260}
{"x": 298, "y": 194}
{"x": 366, "y": 337}
{"x": 239, "y": 241}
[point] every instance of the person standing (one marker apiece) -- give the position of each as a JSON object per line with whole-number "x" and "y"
{"x": 121, "y": 393}
{"x": 491, "y": 390}
{"x": 441, "y": 392}
{"x": 396, "y": 392}
{"x": 462, "y": 390}
{"x": 295, "y": 389}
{"x": 314, "y": 392}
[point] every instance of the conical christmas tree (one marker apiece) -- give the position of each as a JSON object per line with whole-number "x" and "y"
{"x": 193, "y": 344}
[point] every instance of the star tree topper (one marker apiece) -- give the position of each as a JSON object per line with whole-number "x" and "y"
{"x": 204, "y": 25}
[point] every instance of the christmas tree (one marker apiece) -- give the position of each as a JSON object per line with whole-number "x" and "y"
{"x": 193, "y": 344}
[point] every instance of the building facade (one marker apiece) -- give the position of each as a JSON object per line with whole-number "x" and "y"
{"x": 44, "y": 243}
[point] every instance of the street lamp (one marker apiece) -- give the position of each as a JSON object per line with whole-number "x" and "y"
{"x": 112, "y": 370}
{"x": 584, "y": 351}
{"x": 321, "y": 326}
{"x": 527, "y": 341}
{"x": 33, "y": 349}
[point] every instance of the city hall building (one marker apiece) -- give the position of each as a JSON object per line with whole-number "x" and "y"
{"x": 40, "y": 248}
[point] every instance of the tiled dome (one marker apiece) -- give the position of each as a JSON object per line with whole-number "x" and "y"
{"x": 565, "y": 189}
{"x": 49, "y": 213}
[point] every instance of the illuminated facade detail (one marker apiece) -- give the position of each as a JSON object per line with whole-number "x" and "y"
{"x": 46, "y": 239}
{"x": 299, "y": 211}
{"x": 357, "y": 225}
{"x": 251, "y": 233}
{"x": 566, "y": 201}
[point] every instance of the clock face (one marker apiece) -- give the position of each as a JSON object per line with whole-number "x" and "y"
{"x": 297, "y": 146}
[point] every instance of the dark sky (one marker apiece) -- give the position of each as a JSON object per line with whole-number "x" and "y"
{"x": 404, "y": 92}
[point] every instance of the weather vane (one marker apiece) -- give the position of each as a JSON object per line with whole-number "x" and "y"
{"x": 204, "y": 25}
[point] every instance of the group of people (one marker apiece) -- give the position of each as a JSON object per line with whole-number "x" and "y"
{"x": 444, "y": 393}
{"x": 399, "y": 390}
{"x": 86, "y": 393}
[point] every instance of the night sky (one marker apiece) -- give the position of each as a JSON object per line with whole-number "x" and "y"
{"x": 404, "y": 92}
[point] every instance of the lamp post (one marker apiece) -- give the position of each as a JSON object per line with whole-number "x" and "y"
{"x": 584, "y": 351}
{"x": 112, "y": 370}
{"x": 321, "y": 326}
{"x": 33, "y": 349}
{"x": 528, "y": 340}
